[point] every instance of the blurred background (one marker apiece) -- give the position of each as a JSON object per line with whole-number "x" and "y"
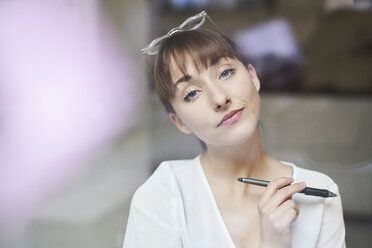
{"x": 314, "y": 60}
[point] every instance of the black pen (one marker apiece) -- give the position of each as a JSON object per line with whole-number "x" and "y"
{"x": 306, "y": 191}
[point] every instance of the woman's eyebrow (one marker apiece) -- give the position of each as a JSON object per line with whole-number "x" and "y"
{"x": 216, "y": 60}
{"x": 182, "y": 79}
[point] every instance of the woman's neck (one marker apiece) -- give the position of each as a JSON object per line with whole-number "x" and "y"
{"x": 243, "y": 160}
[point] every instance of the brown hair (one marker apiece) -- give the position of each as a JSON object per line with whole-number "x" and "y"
{"x": 204, "y": 46}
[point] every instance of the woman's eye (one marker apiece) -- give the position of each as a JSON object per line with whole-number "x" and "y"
{"x": 227, "y": 73}
{"x": 191, "y": 95}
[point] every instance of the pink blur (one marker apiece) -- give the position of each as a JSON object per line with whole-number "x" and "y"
{"x": 66, "y": 90}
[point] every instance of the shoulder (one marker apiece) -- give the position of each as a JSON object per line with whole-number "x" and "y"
{"x": 163, "y": 183}
{"x": 323, "y": 215}
{"x": 312, "y": 178}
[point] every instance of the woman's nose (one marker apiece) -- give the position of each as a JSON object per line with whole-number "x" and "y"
{"x": 223, "y": 104}
{"x": 220, "y": 100}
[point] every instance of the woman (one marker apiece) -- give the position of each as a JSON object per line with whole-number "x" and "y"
{"x": 209, "y": 91}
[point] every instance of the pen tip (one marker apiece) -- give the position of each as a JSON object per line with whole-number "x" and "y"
{"x": 240, "y": 179}
{"x": 331, "y": 194}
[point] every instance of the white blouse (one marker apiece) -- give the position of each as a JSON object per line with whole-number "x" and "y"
{"x": 176, "y": 208}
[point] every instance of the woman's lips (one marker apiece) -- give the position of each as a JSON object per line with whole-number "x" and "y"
{"x": 231, "y": 117}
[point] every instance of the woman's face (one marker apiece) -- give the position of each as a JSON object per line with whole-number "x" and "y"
{"x": 220, "y": 105}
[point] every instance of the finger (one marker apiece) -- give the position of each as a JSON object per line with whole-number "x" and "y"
{"x": 285, "y": 193}
{"x": 284, "y": 207}
{"x": 273, "y": 187}
{"x": 288, "y": 216}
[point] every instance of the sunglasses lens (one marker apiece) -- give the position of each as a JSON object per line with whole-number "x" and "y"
{"x": 154, "y": 46}
{"x": 194, "y": 23}
{"x": 154, "y": 49}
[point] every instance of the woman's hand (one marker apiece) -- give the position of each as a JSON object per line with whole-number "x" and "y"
{"x": 277, "y": 211}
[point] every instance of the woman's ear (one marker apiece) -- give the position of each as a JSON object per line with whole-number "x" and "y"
{"x": 179, "y": 124}
{"x": 255, "y": 80}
